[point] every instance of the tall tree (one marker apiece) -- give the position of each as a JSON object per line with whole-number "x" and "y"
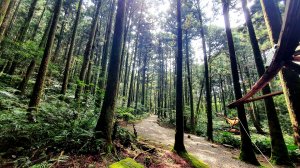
{"x": 209, "y": 132}
{"x": 278, "y": 149}
{"x": 4, "y": 5}
{"x": 247, "y": 153}
{"x": 71, "y": 50}
{"x": 21, "y": 36}
{"x": 189, "y": 76}
{"x": 106, "y": 46}
{"x": 39, "y": 83}
{"x": 179, "y": 135}
{"x": 7, "y": 18}
{"x": 105, "y": 121}
{"x": 87, "y": 52}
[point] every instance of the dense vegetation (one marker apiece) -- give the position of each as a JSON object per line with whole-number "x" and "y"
{"x": 72, "y": 72}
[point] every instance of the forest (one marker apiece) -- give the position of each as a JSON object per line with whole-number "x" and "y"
{"x": 149, "y": 83}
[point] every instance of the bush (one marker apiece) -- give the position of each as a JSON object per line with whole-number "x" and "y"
{"x": 228, "y": 138}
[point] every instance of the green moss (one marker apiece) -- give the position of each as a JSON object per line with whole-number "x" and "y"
{"x": 126, "y": 163}
{"x": 193, "y": 160}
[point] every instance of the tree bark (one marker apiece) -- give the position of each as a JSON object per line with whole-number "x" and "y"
{"x": 87, "y": 52}
{"x": 209, "y": 132}
{"x": 105, "y": 123}
{"x": 7, "y": 18}
{"x": 71, "y": 50}
{"x": 4, "y": 6}
{"x": 247, "y": 153}
{"x": 179, "y": 138}
{"x": 39, "y": 84}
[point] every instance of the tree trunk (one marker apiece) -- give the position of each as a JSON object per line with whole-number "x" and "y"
{"x": 87, "y": 52}
{"x": 7, "y": 18}
{"x": 105, "y": 123}
{"x": 71, "y": 50}
{"x": 247, "y": 153}
{"x": 209, "y": 132}
{"x": 4, "y": 6}
{"x": 37, "y": 26}
{"x": 187, "y": 59}
{"x": 106, "y": 48}
{"x": 179, "y": 138}
{"x": 39, "y": 84}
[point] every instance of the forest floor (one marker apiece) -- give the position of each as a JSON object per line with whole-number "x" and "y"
{"x": 215, "y": 155}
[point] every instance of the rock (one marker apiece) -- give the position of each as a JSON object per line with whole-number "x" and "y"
{"x": 228, "y": 146}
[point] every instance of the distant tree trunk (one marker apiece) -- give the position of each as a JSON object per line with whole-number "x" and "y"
{"x": 179, "y": 138}
{"x": 87, "y": 52}
{"x": 105, "y": 123}
{"x": 30, "y": 69}
{"x": 106, "y": 47}
{"x": 71, "y": 50}
{"x": 279, "y": 153}
{"x": 247, "y": 153}
{"x": 187, "y": 59}
{"x": 13, "y": 18}
{"x": 209, "y": 132}
{"x": 25, "y": 26}
{"x": 133, "y": 69}
{"x": 251, "y": 110}
{"x": 61, "y": 34}
{"x": 39, "y": 84}
{"x": 24, "y": 82}
{"x": 7, "y": 18}
{"x": 3, "y": 9}
{"x": 37, "y": 26}
{"x": 223, "y": 96}
{"x": 289, "y": 80}
{"x": 46, "y": 32}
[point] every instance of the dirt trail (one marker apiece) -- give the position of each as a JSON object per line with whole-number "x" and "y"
{"x": 216, "y": 156}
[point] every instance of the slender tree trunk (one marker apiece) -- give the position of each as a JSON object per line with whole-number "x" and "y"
{"x": 4, "y": 6}
{"x": 7, "y": 18}
{"x": 179, "y": 138}
{"x": 247, "y": 153}
{"x": 30, "y": 69}
{"x": 133, "y": 69}
{"x": 187, "y": 60}
{"x": 39, "y": 84}
{"x": 71, "y": 50}
{"x": 105, "y": 122}
{"x": 223, "y": 97}
{"x": 209, "y": 132}
{"x": 37, "y": 26}
{"x": 106, "y": 48}
{"x": 87, "y": 52}
{"x": 61, "y": 35}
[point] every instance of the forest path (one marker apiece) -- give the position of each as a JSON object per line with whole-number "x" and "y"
{"x": 215, "y": 155}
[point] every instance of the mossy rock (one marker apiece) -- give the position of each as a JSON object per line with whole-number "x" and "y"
{"x": 192, "y": 160}
{"x": 126, "y": 163}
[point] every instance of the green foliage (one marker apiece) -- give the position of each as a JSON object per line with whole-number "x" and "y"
{"x": 59, "y": 127}
{"x": 228, "y": 138}
{"x": 27, "y": 50}
{"x": 126, "y": 114}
